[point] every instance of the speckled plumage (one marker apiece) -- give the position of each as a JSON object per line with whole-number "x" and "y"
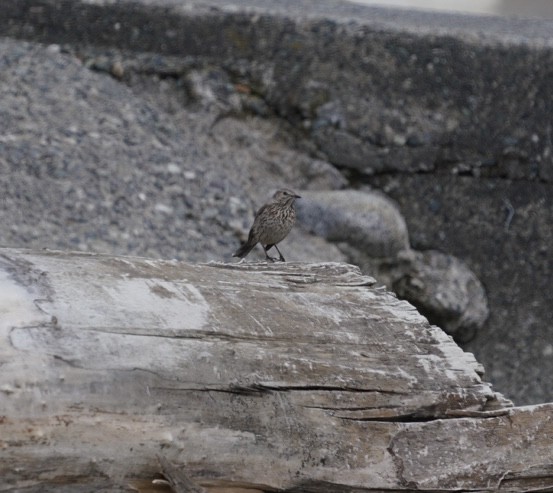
{"x": 272, "y": 223}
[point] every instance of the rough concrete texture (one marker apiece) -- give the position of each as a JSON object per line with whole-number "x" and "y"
{"x": 92, "y": 166}
{"x": 162, "y": 125}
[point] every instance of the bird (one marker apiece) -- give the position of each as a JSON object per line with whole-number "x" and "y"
{"x": 272, "y": 223}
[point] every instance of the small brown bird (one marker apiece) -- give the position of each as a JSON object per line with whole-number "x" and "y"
{"x": 272, "y": 224}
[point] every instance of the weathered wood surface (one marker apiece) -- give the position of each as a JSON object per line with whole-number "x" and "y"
{"x": 301, "y": 377}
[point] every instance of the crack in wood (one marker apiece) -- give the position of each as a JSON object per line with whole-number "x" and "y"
{"x": 403, "y": 418}
{"x": 71, "y": 363}
{"x": 469, "y": 413}
{"x": 238, "y": 390}
{"x": 325, "y": 388}
{"x": 210, "y": 336}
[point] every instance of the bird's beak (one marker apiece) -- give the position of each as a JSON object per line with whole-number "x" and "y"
{"x": 297, "y": 196}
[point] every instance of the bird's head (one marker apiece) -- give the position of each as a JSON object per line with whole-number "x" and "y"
{"x": 285, "y": 195}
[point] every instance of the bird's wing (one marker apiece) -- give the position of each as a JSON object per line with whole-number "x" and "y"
{"x": 260, "y": 211}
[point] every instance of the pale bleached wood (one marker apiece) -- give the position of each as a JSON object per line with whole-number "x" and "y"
{"x": 268, "y": 376}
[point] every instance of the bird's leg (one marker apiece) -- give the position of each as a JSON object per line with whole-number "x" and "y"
{"x": 266, "y": 254}
{"x": 280, "y": 254}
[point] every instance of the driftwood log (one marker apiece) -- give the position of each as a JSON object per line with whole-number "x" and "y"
{"x": 302, "y": 377}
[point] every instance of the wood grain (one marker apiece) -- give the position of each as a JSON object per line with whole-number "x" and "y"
{"x": 303, "y": 377}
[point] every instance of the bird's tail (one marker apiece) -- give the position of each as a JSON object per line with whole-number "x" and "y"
{"x": 244, "y": 250}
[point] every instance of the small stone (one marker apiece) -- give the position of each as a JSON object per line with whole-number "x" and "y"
{"x": 165, "y": 209}
{"x": 399, "y": 140}
{"x": 117, "y": 70}
{"x": 173, "y": 168}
